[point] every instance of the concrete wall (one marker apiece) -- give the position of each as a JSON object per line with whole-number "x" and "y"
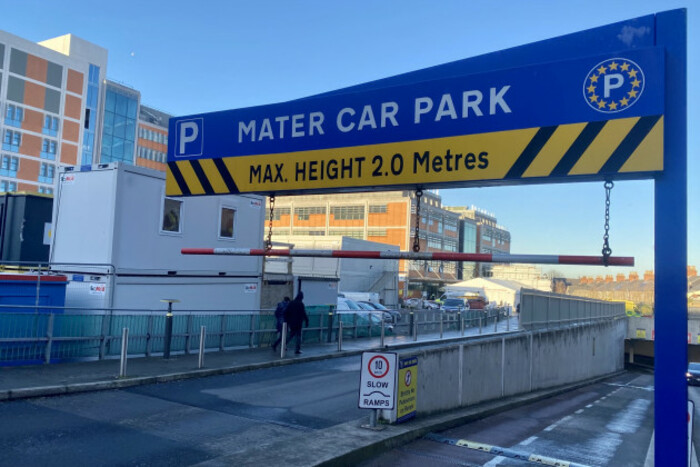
{"x": 483, "y": 369}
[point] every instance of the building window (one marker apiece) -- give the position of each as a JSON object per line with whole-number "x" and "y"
{"x": 50, "y": 125}
{"x": 14, "y": 115}
{"x": 279, "y": 212}
{"x": 45, "y": 190}
{"x": 434, "y": 242}
{"x": 172, "y": 212}
{"x": 377, "y": 208}
{"x": 6, "y": 186}
{"x": 376, "y": 233}
{"x": 348, "y": 233}
{"x": 46, "y": 173}
{"x": 348, "y": 212}
{"x": 12, "y": 141}
{"x": 304, "y": 213}
{"x": 309, "y": 232}
{"x": 226, "y": 222}
{"x": 48, "y": 149}
{"x": 9, "y": 167}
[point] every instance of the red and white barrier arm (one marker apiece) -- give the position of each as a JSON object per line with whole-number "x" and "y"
{"x": 421, "y": 256}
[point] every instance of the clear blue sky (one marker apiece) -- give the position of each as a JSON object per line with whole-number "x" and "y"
{"x": 190, "y": 57}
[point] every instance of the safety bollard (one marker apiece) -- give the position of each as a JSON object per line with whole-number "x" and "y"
{"x": 461, "y": 324}
{"x": 340, "y": 335}
{"x": 202, "y": 338}
{"x": 495, "y": 323}
{"x": 415, "y": 328}
{"x": 480, "y": 324}
{"x": 330, "y": 325}
{"x": 381, "y": 339}
{"x": 283, "y": 344}
{"x": 168, "y": 326}
{"x": 411, "y": 323}
{"x": 441, "y": 319}
{"x": 123, "y": 356}
{"x": 508, "y": 324}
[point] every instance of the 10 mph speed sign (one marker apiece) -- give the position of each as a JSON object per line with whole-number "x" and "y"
{"x": 377, "y": 380}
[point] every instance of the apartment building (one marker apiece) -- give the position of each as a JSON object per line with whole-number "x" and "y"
{"x": 47, "y": 94}
{"x": 60, "y": 110}
{"x": 387, "y": 217}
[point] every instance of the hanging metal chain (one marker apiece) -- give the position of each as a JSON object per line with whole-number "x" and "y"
{"x": 607, "y": 251}
{"x": 416, "y": 240}
{"x": 268, "y": 242}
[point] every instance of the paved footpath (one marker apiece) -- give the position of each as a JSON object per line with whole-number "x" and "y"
{"x": 343, "y": 444}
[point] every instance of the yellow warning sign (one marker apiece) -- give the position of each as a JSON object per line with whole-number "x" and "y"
{"x": 627, "y": 145}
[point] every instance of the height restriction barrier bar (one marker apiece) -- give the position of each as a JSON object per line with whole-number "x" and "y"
{"x": 426, "y": 256}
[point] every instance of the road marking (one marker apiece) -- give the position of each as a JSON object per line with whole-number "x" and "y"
{"x": 630, "y": 386}
{"x": 579, "y": 411}
{"x": 503, "y": 452}
{"x": 630, "y": 419}
{"x": 495, "y": 461}
{"x": 589, "y": 406}
{"x": 528, "y": 441}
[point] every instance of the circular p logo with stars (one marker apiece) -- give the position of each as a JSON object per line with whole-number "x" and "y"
{"x": 613, "y": 85}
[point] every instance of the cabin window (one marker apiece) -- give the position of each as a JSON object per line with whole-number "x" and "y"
{"x": 226, "y": 220}
{"x": 172, "y": 215}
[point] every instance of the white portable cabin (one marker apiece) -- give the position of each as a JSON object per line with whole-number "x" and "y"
{"x": 118, "y": 215}
{"x": 497, "y": 291}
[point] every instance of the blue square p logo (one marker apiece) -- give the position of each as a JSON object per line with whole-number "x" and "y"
{"x": 189, "y": 137}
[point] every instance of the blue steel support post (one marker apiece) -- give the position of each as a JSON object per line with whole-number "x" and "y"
{"x": 670, "y": 251}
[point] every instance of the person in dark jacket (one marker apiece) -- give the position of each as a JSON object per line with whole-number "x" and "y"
{"x": 279, "y": 320}
{"x": 295, "y": 316}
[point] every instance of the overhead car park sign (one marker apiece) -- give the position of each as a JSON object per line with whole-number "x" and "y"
{"x": 587, "y": 118}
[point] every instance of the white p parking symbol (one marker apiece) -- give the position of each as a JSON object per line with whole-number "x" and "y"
{"x": 189, "y": 137}
{"x": 611, "y": 82}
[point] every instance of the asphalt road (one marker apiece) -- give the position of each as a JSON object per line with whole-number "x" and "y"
{"x": 180, "y": 423}
{"x": 605, "y": 424}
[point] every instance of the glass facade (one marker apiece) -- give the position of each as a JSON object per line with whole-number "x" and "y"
{"x": 90, "y": 123}
{"x": 119, "y": 126}
{"x": 469, "y": 241}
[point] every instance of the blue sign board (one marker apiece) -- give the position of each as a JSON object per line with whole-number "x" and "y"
{"x": 492, "y": 126}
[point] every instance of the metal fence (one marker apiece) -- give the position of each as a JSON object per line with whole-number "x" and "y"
{"x": 544, "y": 309}
{"x": 32, "y": 335}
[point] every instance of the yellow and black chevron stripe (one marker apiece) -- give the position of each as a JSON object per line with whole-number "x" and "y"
{"x": 604, "y": 149}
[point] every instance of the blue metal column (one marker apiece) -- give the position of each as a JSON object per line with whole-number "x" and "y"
{"x": 670, "y": 250}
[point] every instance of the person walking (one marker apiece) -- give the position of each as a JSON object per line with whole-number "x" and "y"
{"x": 279, "y": 320}
{"x": 295, "y": 316}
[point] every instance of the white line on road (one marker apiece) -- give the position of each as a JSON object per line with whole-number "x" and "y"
{"x": 495, "y": 461}
{"x": 528, "y": 441}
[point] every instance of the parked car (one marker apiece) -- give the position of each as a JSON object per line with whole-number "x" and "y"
{"x": 431, "y": 305}
{"x": 693, "y": 374}
{"x": 368, "y": 322}
{"x": 413, "y": 303}
{"x": 367, "y": 306}
{"x": 454, "y": 305}
{"x": 394, "y": 315}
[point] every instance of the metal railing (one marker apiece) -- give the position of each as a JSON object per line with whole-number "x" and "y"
{"x": 543, "y": 310}
{"x": 35, "y": 334}
{"x": 31, "y": 334}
